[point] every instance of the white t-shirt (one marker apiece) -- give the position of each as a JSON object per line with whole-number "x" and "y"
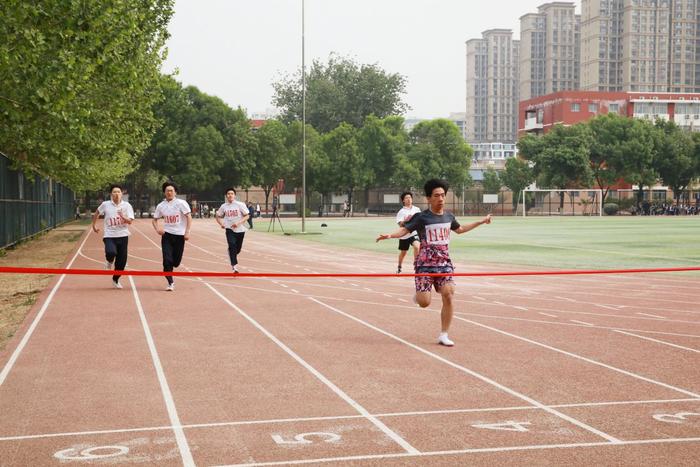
{"x": 114, "y": 225}
{"x": 233, "y": 213}
{"x": 403, "y": 215}
{"x": 174, "y": 214}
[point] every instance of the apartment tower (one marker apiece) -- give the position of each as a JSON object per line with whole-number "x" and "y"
{"x": 549, "y": 50}
{"x": 492, "y": 87}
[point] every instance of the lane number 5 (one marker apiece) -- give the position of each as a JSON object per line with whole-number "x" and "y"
{"x": 675, "y": 418}
{"x": 302, "y": 438}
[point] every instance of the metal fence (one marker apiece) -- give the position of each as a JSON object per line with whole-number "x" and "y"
{"x": 29, "y": 206}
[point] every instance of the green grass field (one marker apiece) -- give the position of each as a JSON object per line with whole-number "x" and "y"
{"x": 552, "y": 243}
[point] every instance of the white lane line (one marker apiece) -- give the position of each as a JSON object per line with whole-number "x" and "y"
{"x": 23, "y": 343}
{"x": 294, "y": 290}
{"x": 340, "y": 417}
{"x": 180, "y": 437}
{"x": 579, "y": 357}
{"x": 356, "y": 405}
{"x": 283, "y": 285}
{"x": 566, "y": 299}
{"x": 473, "y": 373}
{"x": 547, "y": 314}
{"x": 469, "y": 451}
{"x": 403, "y": 300}
{"x": 581, "y": 322}
{"x": 520, "y": 308}
{"x": 479, "y": 298}
{"x": 607, "y": 307}
{"x": 388, "y": 295}
{"x": 499, "y": 303}
{"x": 652, "y": 316}
{"x": 658, "y": 341}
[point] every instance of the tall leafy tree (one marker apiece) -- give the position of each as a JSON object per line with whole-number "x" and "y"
{"x": 517, "y": 175}
{"x": 273, "y": 160}
{"x": 610, "y": 147}
{"x": 338, "y": 91}
{"x": 78, "y": 81}
{"x": 561, "y": 158}
{"x": 439, "y": 151}
{"x": 636, "y": 164}
{"x": 492, "y": 182}
{"x": 317, "y": 165}
{"x": 348, "y": 166}
{"x": 202, "y": 144}
{"x": 383, "y": 142}
{"x": 674, "y": 157}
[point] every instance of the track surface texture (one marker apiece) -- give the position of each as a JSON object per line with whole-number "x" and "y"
{"x": 555, "y": 370}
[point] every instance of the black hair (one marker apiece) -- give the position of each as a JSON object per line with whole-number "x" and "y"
{"x": 167, "y": 184}
{"x": 230, "y": 189}
{"x": 403, "y": 195}
{"x": 113, "y": 186}
{"x": 433, "y": 183}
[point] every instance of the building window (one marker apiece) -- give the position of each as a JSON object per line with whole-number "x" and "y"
{"x": 575, "y": 107}
{"x": 593, "y": 108}
{"x": 614, "y": 108}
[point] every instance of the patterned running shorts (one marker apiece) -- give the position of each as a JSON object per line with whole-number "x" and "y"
{"x": 425, "y": 283}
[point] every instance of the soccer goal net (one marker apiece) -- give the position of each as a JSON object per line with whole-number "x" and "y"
{"x": 538, "y": 202}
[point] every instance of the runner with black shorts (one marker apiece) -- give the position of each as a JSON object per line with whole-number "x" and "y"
{"x": 411, "y": 239}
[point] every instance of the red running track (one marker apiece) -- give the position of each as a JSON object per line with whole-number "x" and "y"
{"x": 575, "y": 370}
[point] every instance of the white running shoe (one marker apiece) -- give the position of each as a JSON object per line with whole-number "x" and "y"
{"x": 108, "y": 266}
{"x": 235, "y": 269}
{"x": 117, "y": 285}
{"x": 171, "y": 287}
{"x": 444, "y": 340}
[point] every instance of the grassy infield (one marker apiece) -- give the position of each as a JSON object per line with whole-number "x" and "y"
{"x": 551, "y": 242}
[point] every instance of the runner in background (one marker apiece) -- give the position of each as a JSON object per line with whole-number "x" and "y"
{"x": 177, "y": 221}
{"x": 411, "y": 239}
{"x": 118, "y": 214}
{"x": 232, "y": 216}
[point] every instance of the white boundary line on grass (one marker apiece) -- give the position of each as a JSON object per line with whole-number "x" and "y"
{"x": 512, "y": 392}
{"x": 180, "y": 437}
{"x": 27, "y": 335}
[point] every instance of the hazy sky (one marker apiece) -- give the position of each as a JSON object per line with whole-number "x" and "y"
{"x": 235, "y": 49}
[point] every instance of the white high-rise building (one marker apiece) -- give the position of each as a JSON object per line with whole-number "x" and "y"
{"x": 492, "y": 87}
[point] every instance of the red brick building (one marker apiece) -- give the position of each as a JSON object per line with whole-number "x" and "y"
{"x": 539, "y": 114}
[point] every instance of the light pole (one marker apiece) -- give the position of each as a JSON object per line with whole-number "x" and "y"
{"x": 303, "y": 126}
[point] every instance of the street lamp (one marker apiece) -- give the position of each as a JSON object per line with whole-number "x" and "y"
{"x": 303, "y": 126}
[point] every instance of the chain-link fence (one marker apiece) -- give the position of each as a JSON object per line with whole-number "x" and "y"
{"x": 29, "y": 206}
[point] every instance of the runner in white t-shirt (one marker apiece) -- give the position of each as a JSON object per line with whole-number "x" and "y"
{"x": 232, "y": 216}
{"x": 118, "y": 214}
{"x": 411, "y": 239}
{"x": 177, "y": 221}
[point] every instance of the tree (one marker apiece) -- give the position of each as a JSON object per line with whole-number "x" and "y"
{"x": 636, "y": 164}
{"x": 272, "y": 157}
{"x": 439, "y": 151}
{"x": 203, "y": 145}
{"x": 383, "y": 142}
{"x": 561, "y": 158}
{"x": 348, "y": 168}
{"x": 610, "y": 146}
{"x": 491, "y": 183}
{"x": 517, "y": 176}
{"x": 317, "y": 165}
{"x": 78, "y": 81}
{"x": 340, "y": 91}
{"x": 674, "y": 157}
